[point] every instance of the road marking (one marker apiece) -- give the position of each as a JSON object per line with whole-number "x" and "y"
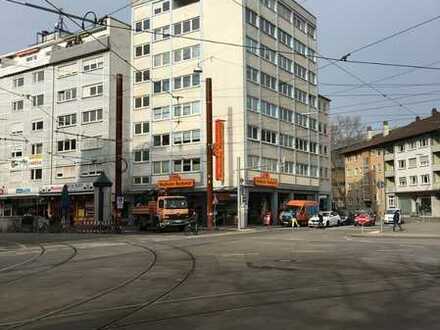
{"x": 239, "y": 254}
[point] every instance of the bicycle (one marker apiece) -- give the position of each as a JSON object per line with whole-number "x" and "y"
{"x": 191, "y": 228}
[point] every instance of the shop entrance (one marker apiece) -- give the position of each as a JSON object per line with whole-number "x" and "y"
{"x": 259, "y": 204}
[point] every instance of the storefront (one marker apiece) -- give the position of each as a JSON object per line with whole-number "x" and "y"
{"x": 21, "y": 201}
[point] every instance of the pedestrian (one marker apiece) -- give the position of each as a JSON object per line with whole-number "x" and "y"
{"x": 295, "y": 222}
{"x": 396, "y": 220}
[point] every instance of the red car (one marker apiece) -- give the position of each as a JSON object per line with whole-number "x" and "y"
{"x": 364, "y": 219}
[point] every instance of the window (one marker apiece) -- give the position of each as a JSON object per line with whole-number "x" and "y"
{"x": 286, "y": 115}
{"x": 161, "y": 7}
{"x": 92, "y": 116}
{"x": 300, "y": 71}
{"x": 67, "y": 145}
{"x": 18, "y": 82}
{"x": 90, "y": 170}
{"x": 288, "y": 167}
{"x": 253, "y": 161}
{"x": 285, "y": 63}
{"x": 412, "y": 162}
{"x": 161, "y": 59}
{"x": 142, "y": 76}
{"x": 142, "y": 101}
{"x": 139, "y": 180}
{"x": 251, "y": 17}
{"x": 38, "y": 100}
{"x": 161, "y": 33}
{"x": 161, "y": 140}
{"x": 311, "y": 31}
{"x": 300, "y": 96}
{"x": 424, "y": 142}
{"x": 401, "y": 148}
{"x": 269, "y": 164}
{"x": 93, "y": 64}
{"x": 402, "y": 182}
{"x": 141, "y": 156}
{"x": 161, "y": 86}
{"x": 67, "y": 70}
{"x": 301, "y": 120}
{"x": 268, "y": 136}
{"x": 37, "y": 125}
{"x": 285, "y": 89}
{"x": 301, "y": 145}
{"x": 267, "y": 27}
{"x": 186, "y": 137}
{"x": 252, "y": 74}
{"x": 426, "y": 179}
{"x": 143, "y": 25}
{"x": 424, "y": 161}
{"x": 18, "y": 105}
{"x": 312, "y": 78}
{"x": 300, "y": 24}
{"x": 287, "y": 141}
{"x": 187, "y": 26}
{"x": 37, "y": 149}
{"x": 300, "y": 48}
{"x": 268, "y": 81}
{"x": 285, "y": 38}
{"x": 141, "y": 128}
{"x": 161, "y": 113}
{"x": 67, "y": 120}
{"x": 36, "y": 174}
{"x": 142, "y": 50}
{"x": 252, "y": 132}
{"x": 314, "y": 171}
{"x": 187, "y": 81}
{"x": 17, "y": 154}
{"x": 413, "y": 180}
{"x": 284, "y": 12}
{"x": 65, "y": 172}
{"x": 312, "y": 101}
{"x": 313, "y": 124}
{"x": 161, "y": 167}
{"x": 67, "y": 95}
{"x": 253, "y": 103}
{"x": 269, "y": 109}
{"x": 187, "y": 109}
{"x": 38, "y": 76}
{"x": 313, "y": 147}
{"x": 302, "y": 169}
{"x": 186, "y": 165}
{"x": 252, "y": 46}
{"x": 391, "y": 201}
{"x": 402, "y": 164}
{"x": 187, "y": 53}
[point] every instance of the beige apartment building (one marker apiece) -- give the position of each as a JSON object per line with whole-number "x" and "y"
{"x": 261, "y": 58}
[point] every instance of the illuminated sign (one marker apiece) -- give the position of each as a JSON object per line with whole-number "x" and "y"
{"x": 176, "y": 182}
{"x": 219, "y": 150}
{"x": 265, "y": 180}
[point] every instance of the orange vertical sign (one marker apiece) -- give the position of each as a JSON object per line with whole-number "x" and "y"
{"x": 219, "y": 150}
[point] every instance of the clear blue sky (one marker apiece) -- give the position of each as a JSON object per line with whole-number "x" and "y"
{"x": 343, "y": 25}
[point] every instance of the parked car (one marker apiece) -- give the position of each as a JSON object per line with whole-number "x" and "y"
{"x": 389, "y": 216}
{"x": 365, "y": 219}
{"x": 347, "y": 217}
{"x": 301, "y": 210}
{"x": 325, "y": 219}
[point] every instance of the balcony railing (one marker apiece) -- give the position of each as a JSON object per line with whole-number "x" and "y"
{"x": 388, "y": 156}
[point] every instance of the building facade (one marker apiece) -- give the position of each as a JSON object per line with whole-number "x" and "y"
{"x": 264, "y": 90}
{"x": 58, "y": 119}
{"x": 404, "y": 167}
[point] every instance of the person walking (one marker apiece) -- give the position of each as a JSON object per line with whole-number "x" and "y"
{"x": 396, "y": 220}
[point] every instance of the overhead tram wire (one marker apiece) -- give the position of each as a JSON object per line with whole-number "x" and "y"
{"x": 129, "y": 4}
{"x": 374, "y": 43}
{"x": 224, "y": 43}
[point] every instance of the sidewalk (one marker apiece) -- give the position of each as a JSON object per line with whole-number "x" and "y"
{"x": 418, "y": 230}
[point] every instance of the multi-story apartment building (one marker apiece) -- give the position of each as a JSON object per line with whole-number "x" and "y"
{"x": 58, "y": 121}
{"x": 260, "y": 56}
{"x": 409, "y": 159}
{"x": 338, "y": 178}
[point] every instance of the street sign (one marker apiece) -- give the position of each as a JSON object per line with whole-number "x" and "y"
{"x": 120, "y": 202}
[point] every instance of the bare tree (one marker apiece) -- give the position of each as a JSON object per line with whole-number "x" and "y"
{"x": 346, "y": 130}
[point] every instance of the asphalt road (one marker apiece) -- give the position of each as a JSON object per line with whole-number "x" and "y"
{"x": 279, "y": 279}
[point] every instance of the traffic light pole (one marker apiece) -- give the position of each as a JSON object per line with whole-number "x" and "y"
{"x": 209, "y": 155}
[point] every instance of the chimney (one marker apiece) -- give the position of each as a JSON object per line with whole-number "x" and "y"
{"x": 386, "y": 128}
{"x": 434, "y": 112}
{"x": 369, "y": 133}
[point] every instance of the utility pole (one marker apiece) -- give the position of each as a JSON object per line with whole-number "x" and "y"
{"x": 209, "y": 154}
{"x": 118, "y": 163}
{"x": 239, "y": 198}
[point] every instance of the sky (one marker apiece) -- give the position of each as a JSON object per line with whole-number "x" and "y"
{"x": 343, "y": 25}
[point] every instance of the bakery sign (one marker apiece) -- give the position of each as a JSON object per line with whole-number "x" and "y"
{"x": 265, "y": 180}
{"x": 71, "y": 187}
{"x": 175, "y": 181}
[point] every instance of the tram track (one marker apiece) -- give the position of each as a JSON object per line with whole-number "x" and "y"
{"x": 25, "y": 262}
{"x": 102, "y": 293}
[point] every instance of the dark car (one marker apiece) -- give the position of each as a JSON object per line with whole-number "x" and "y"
{"x": 347, "y": 217}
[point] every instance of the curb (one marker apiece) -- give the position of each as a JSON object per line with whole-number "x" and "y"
{"x": 415, "y": 236}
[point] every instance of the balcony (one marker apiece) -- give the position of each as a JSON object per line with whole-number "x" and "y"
{"x": 435, "y": 147}
{"x": 388, "y": 156}
{"x": 436, "y": 167}
{"x": 389, "y": 173}
{"x": 390, "y": 189}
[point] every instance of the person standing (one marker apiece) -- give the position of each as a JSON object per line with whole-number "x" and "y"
{"x": 396, "y": 220}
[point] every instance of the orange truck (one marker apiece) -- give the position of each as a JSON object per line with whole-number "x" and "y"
{"x": 165, "y": 211}
{"x": 301, "y": 210}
